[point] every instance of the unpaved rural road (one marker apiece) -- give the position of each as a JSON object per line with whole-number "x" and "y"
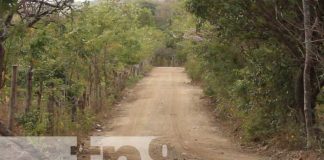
{"x": 166, "y": 105}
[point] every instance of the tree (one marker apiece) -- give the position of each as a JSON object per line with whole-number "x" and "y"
{"x": 29, "y": 13}
{"x": 78, "y": 62}
{"x": 307, "y": 74}
{"x": 272, "y": 27}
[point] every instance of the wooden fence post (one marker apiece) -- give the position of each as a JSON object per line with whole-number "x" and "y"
{"x": 50, "y": 109}
{"x": 29, "y": 89}
{"x": 13, "y": 97}
{"x": 39, "y": 95}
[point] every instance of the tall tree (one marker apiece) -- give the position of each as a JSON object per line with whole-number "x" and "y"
{"x": 13, "y": 97}
{"x": 307, "y": 73}
{"x": 30, "y": 12}
{"x": 282, "y": 27}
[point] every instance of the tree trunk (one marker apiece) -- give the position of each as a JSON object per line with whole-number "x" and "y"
{"x": 29, "y": 89}
{"x": 307, "y": 75}
{"x": 4, "y": 131}
{"x": 13, "y": 96}
{"x": 74, "y": 108}
{"x": 2, "y": 55}
{"x": 105, "y": 75}
{"x": 97, "y": 84}
{"x": 299, "y": 96}
{"x": 39, "y": 95}
{"x": 83, "y": 101}
{"x": 100, "y": 97}
{"x": 50, "y": 109}
{"x": 90, "y": 86}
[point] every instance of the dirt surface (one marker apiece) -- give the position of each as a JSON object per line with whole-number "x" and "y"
{"x": 164, "y": 104}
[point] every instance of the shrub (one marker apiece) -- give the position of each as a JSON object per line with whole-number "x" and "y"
{"x": 33, "y": 122}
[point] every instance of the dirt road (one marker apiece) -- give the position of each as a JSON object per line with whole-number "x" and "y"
{"x": 166, "y": 105}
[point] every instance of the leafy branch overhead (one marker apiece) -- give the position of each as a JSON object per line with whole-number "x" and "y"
{"x": 29, "y": 12}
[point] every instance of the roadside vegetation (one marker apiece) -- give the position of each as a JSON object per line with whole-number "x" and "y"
{"x": 251, "y": 62}
{"x": 258, "y": 62}
{"x": 72, "y": 66}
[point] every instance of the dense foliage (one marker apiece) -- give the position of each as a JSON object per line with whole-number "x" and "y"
{"x": 251, "y": 62}
{"x": 79, "y": 63}
{"x": 248, "y": 55}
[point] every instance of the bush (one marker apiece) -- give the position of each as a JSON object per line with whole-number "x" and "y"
{"x": 85, "y": 121}
{"x": 255, "y": 85}
{"x": 33, "y": 122}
